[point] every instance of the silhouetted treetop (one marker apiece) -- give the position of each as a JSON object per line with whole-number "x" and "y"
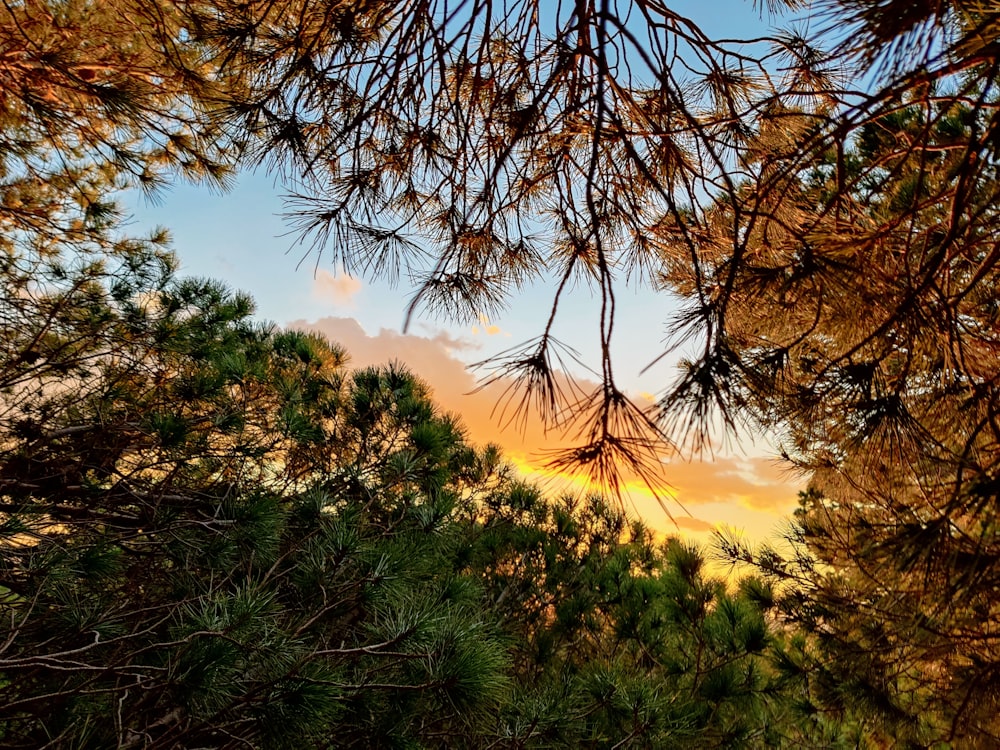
{"x": 476, "y": 149}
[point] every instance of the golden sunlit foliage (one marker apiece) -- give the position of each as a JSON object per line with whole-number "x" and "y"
{"x": 824, "y": 205}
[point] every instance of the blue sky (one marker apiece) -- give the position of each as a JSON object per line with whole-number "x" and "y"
{"x": 241, "y": 238}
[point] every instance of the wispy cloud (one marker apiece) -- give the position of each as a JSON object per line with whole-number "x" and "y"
{"x": 340, "y": 289}
{"x": 487, "y": 328}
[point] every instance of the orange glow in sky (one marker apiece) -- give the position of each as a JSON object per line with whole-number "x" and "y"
{"x": 749, "y": 493}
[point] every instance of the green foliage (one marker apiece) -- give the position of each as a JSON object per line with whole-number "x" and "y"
{"x": 620, "y": 641}
{"x": 205, "y": 540}
{"x": 214, "y": 534}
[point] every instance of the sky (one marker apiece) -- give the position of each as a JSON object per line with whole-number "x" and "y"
{"x": 241, "y": 238}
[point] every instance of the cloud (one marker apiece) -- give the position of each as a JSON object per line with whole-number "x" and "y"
{"x": 340, "y": 289}
{"x": 754, "y": 482}
{"x": 690, "y": 523}
{"x": 752, "y": 493}
{"x": 488, "y": 328}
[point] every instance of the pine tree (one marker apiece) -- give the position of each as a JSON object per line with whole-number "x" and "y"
{"x": 622, "y": 641}
{"x": 864, "y": 334}
{"x": 835, "y": 242}
{"x": 476, "y": 151}
{"x": 100, "y": 96}
{"x": 212, "y": 535}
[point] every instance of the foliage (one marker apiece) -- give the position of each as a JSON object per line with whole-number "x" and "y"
{"x": 596, "y": 143}
{"x": 827, "y": 218}
{"x": 477, "y": 151}
{"x": 865, "y": 334}
{"x": 619, "y": 641}
{"x": 212, "y": 535}
{"x": 100, "y": 95}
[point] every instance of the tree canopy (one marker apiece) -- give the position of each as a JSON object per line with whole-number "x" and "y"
{"x": 823, "y": 204}
{"x": 214, "y": 534}
{"x": 476, "y": 150}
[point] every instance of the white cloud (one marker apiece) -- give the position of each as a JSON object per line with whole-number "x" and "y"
{"x": 488, "y": 328}
{"x": 340, "y": 289}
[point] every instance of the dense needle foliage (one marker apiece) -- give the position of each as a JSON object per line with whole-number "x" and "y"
{"x": 209, "y": 529}
{"x": 213, "y": 533}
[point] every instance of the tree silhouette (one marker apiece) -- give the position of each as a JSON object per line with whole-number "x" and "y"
{"x": 608, "y": 141}
{"x": 477, "y": 151}
{"x": 824, "y": 205}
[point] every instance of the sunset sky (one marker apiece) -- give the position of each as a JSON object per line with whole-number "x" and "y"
{"x": 240, "y": 237}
